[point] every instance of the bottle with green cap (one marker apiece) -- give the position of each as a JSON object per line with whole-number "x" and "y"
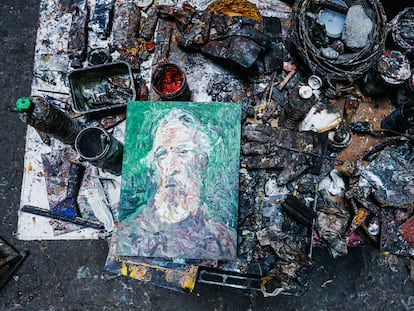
{"x": 36, "y": 111}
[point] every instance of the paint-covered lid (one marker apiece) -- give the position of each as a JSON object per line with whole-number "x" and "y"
{"x": 394, "y": 67}
{"x": 305, "y": 92}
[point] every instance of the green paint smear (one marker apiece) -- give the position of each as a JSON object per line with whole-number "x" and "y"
{"x": 221, "y": 122}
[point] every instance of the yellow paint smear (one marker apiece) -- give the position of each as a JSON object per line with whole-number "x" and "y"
{"x": 124, "y": 269}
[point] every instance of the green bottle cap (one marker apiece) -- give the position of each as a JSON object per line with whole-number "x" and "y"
{"x": 22, "y": 104}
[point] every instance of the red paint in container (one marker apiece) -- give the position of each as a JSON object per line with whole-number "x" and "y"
{"x": 170, "y": 83}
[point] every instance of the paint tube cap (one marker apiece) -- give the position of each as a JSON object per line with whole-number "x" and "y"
{"x": 23, "y": 104}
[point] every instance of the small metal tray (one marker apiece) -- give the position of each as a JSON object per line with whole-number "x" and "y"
{"x": 101, "y": 87}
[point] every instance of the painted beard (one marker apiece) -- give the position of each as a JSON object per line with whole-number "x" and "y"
{"x": 174, "y": 203}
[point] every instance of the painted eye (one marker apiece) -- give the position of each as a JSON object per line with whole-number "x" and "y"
{"x": 160, "y": 154}
{"x": 184, "y": 152}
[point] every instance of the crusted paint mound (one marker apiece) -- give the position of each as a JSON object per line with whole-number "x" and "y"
{"x": 236, "y": 8}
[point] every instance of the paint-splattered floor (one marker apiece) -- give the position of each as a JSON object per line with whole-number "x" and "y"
{"x": 69, "y": 275}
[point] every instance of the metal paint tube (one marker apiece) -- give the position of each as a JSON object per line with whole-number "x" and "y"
{"x": 36, "y": 111}
{"x": 100, "y": 20}
{"x": 77, "y": 44}
{"x": 170, "y": 83}
{"x": 101, "y": 149}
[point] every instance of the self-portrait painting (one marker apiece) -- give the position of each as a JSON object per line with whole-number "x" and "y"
{"x": 179, "y": 189}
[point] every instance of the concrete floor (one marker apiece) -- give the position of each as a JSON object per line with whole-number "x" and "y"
{"x": 49, "y": 279}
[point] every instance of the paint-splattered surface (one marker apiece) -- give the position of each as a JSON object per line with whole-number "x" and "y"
{"x": 359, "y": 280}
{"x": 99, "y": 193}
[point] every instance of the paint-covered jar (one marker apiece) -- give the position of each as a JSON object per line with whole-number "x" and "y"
{"x": 170, "y": 83}
{"x": 300, "y": 101}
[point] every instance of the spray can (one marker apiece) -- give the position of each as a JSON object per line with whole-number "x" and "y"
{"x": 101, "y": 149}
{"x": 36, "y": 111}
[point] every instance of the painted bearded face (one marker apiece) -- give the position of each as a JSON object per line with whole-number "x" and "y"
{"x": 179, "y": 162}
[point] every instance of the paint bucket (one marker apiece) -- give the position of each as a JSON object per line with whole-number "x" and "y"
{"x": 402, "y": 30}
{"x": 170, "y": 83}
{"x": 101, "y": 149}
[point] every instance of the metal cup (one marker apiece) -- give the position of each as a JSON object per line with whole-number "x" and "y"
{"x": 101, "y": 149}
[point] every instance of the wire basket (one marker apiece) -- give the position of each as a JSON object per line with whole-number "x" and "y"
{"x": 402, "y": 29}
{"x": 340, "y": 73}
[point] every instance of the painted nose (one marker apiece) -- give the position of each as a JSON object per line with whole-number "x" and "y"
{"x": 170, "y": 163}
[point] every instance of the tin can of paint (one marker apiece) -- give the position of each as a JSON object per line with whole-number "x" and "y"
{"x": 101, "y": 149}
{"x": 392, "y": 70}
{"x": 43, "y": 116}
{"x": 170, "y": 83}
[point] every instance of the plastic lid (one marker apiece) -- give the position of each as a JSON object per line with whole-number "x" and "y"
{"x": 334, "y": 22}
{"x": 23, "y": 104}
{"x": 315, "y": 82}
{"x": 305, "y": 92}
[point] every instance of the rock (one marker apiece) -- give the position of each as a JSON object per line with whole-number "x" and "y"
{"x": 358, "y": 27}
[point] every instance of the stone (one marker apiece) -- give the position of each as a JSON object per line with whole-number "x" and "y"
{"x": 358, "y": 27}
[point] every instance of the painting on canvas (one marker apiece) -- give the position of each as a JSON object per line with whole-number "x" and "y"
{"x": 179, "y": 190}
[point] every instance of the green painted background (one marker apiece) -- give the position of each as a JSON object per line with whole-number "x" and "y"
{"x": 221, "y": 183}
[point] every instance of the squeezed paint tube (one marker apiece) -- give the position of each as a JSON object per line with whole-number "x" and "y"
{"x": 43, "y": 116}
{"x": 78, "y": 33}
{"x": 101, "y": 18}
